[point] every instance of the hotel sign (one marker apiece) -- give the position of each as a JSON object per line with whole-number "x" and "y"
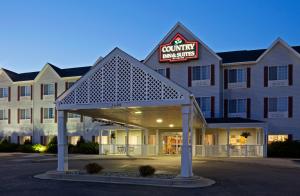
{"x": 178, "y": 49}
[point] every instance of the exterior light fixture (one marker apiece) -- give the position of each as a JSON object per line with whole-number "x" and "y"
{"x": 171, "y": 125}
{"x": 159, "y": 120}
{"x": 138, "y": 112}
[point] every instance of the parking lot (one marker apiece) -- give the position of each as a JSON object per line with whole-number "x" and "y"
{"x": 233, "y": 177}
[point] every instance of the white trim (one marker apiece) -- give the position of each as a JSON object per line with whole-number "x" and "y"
{"x": 43, "y": 70}
{"x": 178, "y": 24}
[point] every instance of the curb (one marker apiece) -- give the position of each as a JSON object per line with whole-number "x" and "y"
{"x": 180, "y": 182}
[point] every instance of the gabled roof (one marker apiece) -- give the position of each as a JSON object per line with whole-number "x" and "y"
{"x": 69, "y": 72}
{"x": 16, "y": 77}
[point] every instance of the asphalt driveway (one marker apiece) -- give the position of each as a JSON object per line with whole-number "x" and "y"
{"x": 237, "y": 177}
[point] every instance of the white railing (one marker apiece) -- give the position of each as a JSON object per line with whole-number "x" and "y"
{"x": 229, "y": 150}
{"x": 121, "y": 149}
{"x": 200, "y": 150}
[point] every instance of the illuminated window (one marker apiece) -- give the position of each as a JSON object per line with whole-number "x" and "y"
{"x": 277, "y": 138}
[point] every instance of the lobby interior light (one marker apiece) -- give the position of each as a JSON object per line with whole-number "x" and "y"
{"x": 171, "y": 125}
{"x": 159, "y": 120}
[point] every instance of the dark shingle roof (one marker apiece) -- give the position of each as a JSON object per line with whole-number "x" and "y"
{"x": 245, "y": 55}
{"x": 231, "y": 120}
{"x": 240, "y": 56}
{"x": 68, "y": 72}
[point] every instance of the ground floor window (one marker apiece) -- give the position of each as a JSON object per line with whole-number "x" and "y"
{"x": 24, "y": 139}
{"x": 277, "y": 138}
{"x": 73, "y": 140}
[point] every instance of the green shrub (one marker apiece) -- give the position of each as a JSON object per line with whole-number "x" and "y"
{"x": 80, "y": 141}
{"x": 27, "y": 148}
{"x": 52, "y": 146}
{"x": 287, "y": 149}
{"x": 5, "y": 146}
{"x": 146, "y": 170}
{"x": 93, "y": 168}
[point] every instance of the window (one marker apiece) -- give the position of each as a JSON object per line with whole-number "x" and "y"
{"x": 237, "y": 75}
{"x": 3, "y": 92}
{"x": 161, "y": 71}
{"x": 277, "y": 138}
{"x": 278, "y": 72}
{"x": 237, "y": 106}
{"x": 278, "y": 104}
{"x": 73, "y": 115}
{"x": 25, "y": 91}
{"x": 204, "y": 103}
{"x": 69, "y": 84}
{"x": 201, "y": 73}
{"x": 3, "y": 114}
{"x": 48, "y": 113}
{"x": 25, "y": 114}
{"x": 48, "y": 89}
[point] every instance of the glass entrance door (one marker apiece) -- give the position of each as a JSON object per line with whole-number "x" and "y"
{"x": 171, "y": 143}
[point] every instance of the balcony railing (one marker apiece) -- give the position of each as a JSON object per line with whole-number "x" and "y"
{"x": 199, "y": 150}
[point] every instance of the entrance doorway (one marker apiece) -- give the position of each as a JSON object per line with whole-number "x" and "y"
{"x": 171, "y": 143}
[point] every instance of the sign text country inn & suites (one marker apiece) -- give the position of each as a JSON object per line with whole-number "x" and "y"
{"x": 178, "y": 49}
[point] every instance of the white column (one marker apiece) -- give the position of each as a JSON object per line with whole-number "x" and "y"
{"x": 62, "y": 143}
{"x": 265, "y": 142}
{"x": 127, "y": 141}
{"x": 157, "y": 141}
{"x": 100, "y": 143}
{"x": 186, "y": 170}
{"x": 228, "y": 142}
{"x": 203, "y": 141}
{"x": 145, "y": 142}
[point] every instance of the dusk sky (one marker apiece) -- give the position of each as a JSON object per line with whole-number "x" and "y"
{"x": 76, "y": 33}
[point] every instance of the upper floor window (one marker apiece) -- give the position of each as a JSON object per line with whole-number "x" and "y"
{"x": 48, "y": 89}
{"x": 278, "y": 104}
{"x": 237, "y": 106}
{"x": 205, "y": 105}
{"x": 201, "y": 72}
{"x": 25, "y": 114}
{"x": 3, "y": 114}
{"x": 3, "y": 92}
{"x": 162, "y": 71}
{"x": 237, "y": 75}
{"x": 278, "y": 72}
{"x": 25, "y": 91}
{"x": 69, "y": 84}
{"x": 48, "y": 113}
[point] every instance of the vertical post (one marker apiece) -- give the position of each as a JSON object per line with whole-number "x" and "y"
{"x": 100, "y": 143}
{"x": 228, "y": 142}
{"x": 157, "y": 141}
{"x": 127, "y": 141}
{"x": 265, "y": 142}
{"x": 145, "y": 144}
{"x": 203, "y": 141}
{"x": 62, "y": 144}
{"x": 186, "y": 170}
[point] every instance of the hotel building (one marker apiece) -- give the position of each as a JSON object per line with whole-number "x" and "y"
{"x": 220, "y": 104}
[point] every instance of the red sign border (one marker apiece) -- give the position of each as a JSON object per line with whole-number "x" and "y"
{"x": 178, "y": 60}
